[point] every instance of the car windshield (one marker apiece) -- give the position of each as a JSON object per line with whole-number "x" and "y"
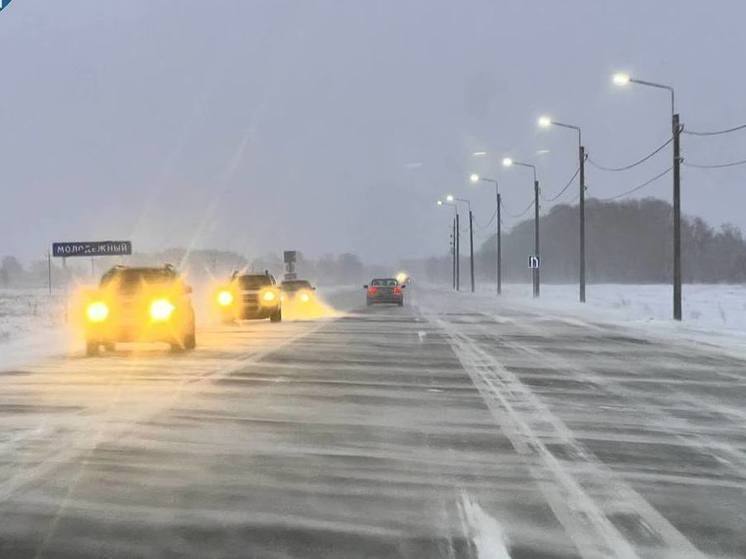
{"x": 135, "y": 277}
{"x": 295, "y": 285}
{"x": 254, "y": 281}
{"x": 389, "y": 282}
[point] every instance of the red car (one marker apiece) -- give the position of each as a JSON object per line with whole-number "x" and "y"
{"x": 384, "y": 290}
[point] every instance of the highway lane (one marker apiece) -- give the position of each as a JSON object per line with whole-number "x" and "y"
{"x": 441, "y": 429}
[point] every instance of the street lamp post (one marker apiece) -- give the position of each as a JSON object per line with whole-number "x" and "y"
{"x": 471, "y": 238}
{"x": 546, "y": 122}
{"x": 453, "y": 246}
{"x": 476, "y": 178}
{"x": 508, "y": 162}
{"x": 624, "y": 79}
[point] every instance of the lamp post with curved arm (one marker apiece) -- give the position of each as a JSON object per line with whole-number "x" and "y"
{"x": 622, "y": 80}
{"x": 508, "y": 162}
{"x": 546, "y": 122}
{"x": 476, "y": 178}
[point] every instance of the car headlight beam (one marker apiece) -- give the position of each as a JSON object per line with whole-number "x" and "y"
{"x": 161, "y": 310}
{"x": 269, "y": 297}
{"x": 225, "y": 298}
{"x": 97, "y": 311}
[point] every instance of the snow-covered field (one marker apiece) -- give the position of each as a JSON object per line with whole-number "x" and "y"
{"x": 705, "y": 306}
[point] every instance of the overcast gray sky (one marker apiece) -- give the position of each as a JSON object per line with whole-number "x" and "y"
{"x": 334, "y": 125}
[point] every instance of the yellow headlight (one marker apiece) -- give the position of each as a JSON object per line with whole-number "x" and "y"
{"x": 304, "y": 297}
{"x": 97, "y": 311}
{"x": 225, "y": 298}
{"x": 161, "y": 310}
{"x": 268, "y": 296}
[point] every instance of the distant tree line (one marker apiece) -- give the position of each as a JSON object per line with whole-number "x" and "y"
{"x": 198, "y": 265}
{"x": 626, "y": 242}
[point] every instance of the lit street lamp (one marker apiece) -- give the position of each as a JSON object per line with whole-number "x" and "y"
{"x": 546, "y": 122}
{"x": 508, "y": 162}
{"x": 476, "y": 178}
{"x": 623, "y": 80}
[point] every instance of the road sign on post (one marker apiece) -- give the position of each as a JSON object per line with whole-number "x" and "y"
{"x": 289, "y": 257}
{"x": 92, "y": 248}
{"x": 533, "y": 262}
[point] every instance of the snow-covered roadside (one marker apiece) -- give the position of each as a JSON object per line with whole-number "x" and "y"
{"x": 30, "y": 325}
{"x": 713, "y": 314}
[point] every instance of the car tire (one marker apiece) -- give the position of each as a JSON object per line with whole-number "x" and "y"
{"x": 92, "y": 348}
{"x": 190, "y": 341}
{"x": 276, "y": 316}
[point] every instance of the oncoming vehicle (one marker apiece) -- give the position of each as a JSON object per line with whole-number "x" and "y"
{"x": 384, "y": 290}
{"x": 147, "y": 304}
{"x": 298, "y": 291}
{"x": 249, "y": 296}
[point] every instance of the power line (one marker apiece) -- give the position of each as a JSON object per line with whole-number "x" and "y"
{"x": 715, "y": 132}
{"x": 716, "y": 165}
{"x": 561, "y": 192}
{"x": 531, "y": 205}
{"x": 638, "y": 187}
{"x": 631, "y": 165}
{"x": 494, "y": 215}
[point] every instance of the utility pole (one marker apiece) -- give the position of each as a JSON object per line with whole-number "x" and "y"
{"x": 49, "y": 270}
{"x": 476, "y": 178}
{"x": 458, "y": 254}
{"x": 452, "y": 250}
{"x": 581, "y": 209}
{"x": 471, "y": 251}
{"x": 676, "y": 219}
{"x": 536, "y": 236}
{"x": 622, "y": 80}
{"x": 499, "y": 248}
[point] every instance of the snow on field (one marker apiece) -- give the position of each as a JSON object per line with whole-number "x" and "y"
{"x": 714, "y": 314}
{"x": 31, "y": 325}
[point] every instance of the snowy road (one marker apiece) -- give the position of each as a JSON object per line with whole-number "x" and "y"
{"x": 448, "y": 428}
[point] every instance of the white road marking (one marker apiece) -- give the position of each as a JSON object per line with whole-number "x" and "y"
{"x": 530, "y": 425}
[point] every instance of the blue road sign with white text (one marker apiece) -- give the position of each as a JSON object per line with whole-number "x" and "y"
{"x": 92, "y": 248}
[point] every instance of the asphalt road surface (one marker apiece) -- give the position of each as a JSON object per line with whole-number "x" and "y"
{"x": 440, "y": 429}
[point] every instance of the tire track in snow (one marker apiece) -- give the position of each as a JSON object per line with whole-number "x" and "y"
{"x": 528, "y": 423}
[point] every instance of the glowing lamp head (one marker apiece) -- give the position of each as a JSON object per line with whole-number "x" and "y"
{"x": 269, "y": 296}
{"x": 449, "y": 198}
{"x": 620, "y": 79}
{"x": 225, "y": 298}
{"x": 544, "y": 121}
{"x": 401, "y": 277}
{"x": 474, "y": 177}
{"x": 507, "y": 162}
{"x": 304, "y": 297}
{"x": 161, "y": 310}
{"x": 440, "y": 202}
{"x": 97, "y": 311}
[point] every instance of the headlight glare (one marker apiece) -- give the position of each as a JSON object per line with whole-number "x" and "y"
{"x": 97, "y": 311}
{"x": 161, "y": 310}
{"x": 225, "y": 298}
{"x": 268, "y": 296}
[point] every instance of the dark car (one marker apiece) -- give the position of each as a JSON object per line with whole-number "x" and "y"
{"x": 139, "y": 305}
{"x": 384, "y": 290}
{"x": 249, "y": 296}
{"x": 298, "y": 291}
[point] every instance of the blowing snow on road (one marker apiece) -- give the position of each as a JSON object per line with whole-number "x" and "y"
{"x": 441, "y": 429}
